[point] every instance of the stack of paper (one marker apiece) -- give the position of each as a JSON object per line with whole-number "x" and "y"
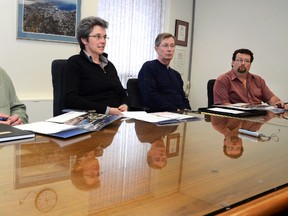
{"x": 159, "y": 117}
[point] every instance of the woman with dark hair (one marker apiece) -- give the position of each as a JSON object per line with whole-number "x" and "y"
{"x": 85, "y": 173}
{"x": 91, "y": 81}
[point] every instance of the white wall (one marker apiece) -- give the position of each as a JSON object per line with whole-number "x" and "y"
{"x": 222, "y": 26}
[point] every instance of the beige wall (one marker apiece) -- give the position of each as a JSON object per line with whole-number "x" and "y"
{"x": 222, "y": 26}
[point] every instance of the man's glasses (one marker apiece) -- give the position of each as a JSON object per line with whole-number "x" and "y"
{"x": 243, "y": 60}
{"x": 166, "y": 46}
{"x": 99, "y": 37}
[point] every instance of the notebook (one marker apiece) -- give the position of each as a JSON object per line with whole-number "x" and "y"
{"x": 9, "y": 133}
{"x": 232, "y": 111}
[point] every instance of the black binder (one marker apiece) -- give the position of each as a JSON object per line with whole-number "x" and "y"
{"x": 234, "y": 112}
{"x": 9, "y": 133}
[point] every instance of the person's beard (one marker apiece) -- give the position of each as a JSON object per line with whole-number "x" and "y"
{"x": 242, "y": 69}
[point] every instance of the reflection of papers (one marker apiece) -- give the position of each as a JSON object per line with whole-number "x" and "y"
{"x": 250, "y": 138}
{"x": 63, "y": 143}
{"x": 21, "y": 141}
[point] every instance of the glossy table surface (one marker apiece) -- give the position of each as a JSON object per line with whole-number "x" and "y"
{"x": 137, "y": 168}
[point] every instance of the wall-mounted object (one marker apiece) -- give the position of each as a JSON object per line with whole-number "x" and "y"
{"x": 48, "y": 20}
{"x": 181, "y": 32}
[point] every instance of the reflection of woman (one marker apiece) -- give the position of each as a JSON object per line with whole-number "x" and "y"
{"x": 85, "y": 172}
{"x": 151, "y": 133}
{"x": 229, "y": 127}
{"x": 53, "y": 158}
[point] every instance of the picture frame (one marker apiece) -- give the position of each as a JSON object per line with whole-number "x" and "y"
{"x": 172, "y": 145}
{"x": 48, "y": 20}
{"x": 181, "y": 32}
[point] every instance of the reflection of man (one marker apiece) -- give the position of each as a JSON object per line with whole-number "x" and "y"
{"x": 151, "y": 133}
{"x": 229, "y": 127}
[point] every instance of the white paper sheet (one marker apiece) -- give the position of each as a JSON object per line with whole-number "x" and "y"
{"x": 66, "y": 116}
{"x": 45, "y": 127}
{"x": 156, "y": 117}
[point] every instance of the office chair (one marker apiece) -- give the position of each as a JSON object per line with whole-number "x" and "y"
{"x": 134, "y": 97}
{"x": 57, "y": 69}
{"x": 210, "y": 86}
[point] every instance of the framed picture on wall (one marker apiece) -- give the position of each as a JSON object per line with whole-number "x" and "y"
{"x": 48, "y": 20}
{"x": 181, "y": 32}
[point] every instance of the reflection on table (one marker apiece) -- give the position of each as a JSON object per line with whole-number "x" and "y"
{"x": 136, "y": 168}
{"x": 153, "y": 134}
{"x": 110, "y": 166}
{"x": 229, "y": 127}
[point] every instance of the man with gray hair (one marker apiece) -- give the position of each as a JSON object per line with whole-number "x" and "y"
{"x": 161, "y": 87}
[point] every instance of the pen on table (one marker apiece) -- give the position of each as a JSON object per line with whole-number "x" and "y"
{"x": 3, "y": 119}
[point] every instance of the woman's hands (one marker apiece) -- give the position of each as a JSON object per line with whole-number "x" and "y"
{"x": 119, "y": 110}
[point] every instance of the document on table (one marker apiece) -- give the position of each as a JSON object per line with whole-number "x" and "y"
{"x": 247, "y": 107}
{"x": 223, "y": 110}
{"x": 66, "y": 116}
{"x": 70, "y": 124}
{"x": 45, "y": 127}
{"x": 159, "y": 117}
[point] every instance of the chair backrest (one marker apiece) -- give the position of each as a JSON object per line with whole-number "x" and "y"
{"x": 134, "y": 96}
{"x": 210, "y": 86}
{"x": 57, "y": 69}
{"x": 133, "y": 93}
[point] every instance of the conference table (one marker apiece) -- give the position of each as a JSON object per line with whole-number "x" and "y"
{"x": 201, "y": 167}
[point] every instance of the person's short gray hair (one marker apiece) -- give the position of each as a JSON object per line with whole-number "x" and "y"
{"x": 161, "y": 37}
{"x": 85, "y": 27}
